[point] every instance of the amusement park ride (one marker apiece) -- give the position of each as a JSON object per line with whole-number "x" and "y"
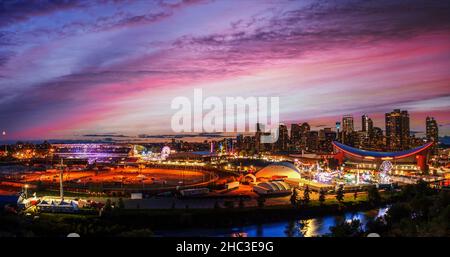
{"x": 147, "y": 155}
{"x": 339, "y": 176}
{"x": 362, "y": 167}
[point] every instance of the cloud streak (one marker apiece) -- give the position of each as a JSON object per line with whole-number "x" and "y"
{"x": 69, "y": 68}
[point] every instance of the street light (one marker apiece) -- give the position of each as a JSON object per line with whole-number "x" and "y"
{"x": 26, "y": 191}
{"x": 4, "y": 136}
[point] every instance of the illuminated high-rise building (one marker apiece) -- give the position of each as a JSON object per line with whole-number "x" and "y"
{"x": 432, "y": 129}
{"x": 239, "y": 141}
{"x": 259, "y": 147}
{"x": 338, "y": 130}
{"x": 283, "y": 138}
{"x": 347, "y": 129}
{"x": 366, "y": 125}
{"x": 397, "y": 130}
{"x": 347, "y": 124}
{"x": 304, "y": 130}
{"x": 377, "y": 139}
{"x": 326, "y": 137}
{"x": 249, "y": 144}
{"x": 312, "y": 141}
{"x": 295, "y": 135}
{"x": 299, "y": 135}
{"x": 229, "y": 145}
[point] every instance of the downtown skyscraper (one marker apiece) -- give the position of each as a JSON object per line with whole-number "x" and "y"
{"x": 366, "y": 125}
{"x": 397, "y": 130}
{"x": 432, "y": 130}
{"x": 347, "y": 129}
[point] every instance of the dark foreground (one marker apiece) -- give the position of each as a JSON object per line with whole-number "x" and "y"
{"x": 415, "y": 211}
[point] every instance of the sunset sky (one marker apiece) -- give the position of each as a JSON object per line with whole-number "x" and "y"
{"x": 113, "y": 67}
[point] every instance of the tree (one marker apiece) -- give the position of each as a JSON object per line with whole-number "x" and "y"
{"x": 261, "y": 201}
{"x": 39, "y": 186}
{"x": 321, "y": 196}
{"x": 108, "y": 206}
{"x": 411, "y": 191}
{"x": 241, "y": 203}
{"x": 422, "y": 189}
{"x": 442, "y": 201}
{"x": 294, "y": 197}
{"x": 306, "y": 197}
{"x": 347, "y": 229}
{"x": 397, "y": 212}
{"x": 121, "y": 204}
{"x": 229, "y": 204}
{"x": 291, "y": 229}
{"x": 373, "y": 196}
{"x": 420, "y": 206}
{"x": 377, "y": 225}
{"x": 340, "y": 194}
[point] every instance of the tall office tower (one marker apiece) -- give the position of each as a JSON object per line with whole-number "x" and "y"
{"x": 260, "y": 127}
{"x": 397, "y": 130}
{"x": 259, "y": 147}
{"x": 366, "y": 125}
{"x": 377, "y": 139}
{"x": 338, "y": 129}
{"x": 347, "y": 124}
{"x": 432, "y": 133}
{"x": 326, "y": 137}
{"x": 364, "y": 122}
{"x": 239, "y": 141}
{"x": 370, "y": 127}
{"x": 249, "y": 144}
{"x": 347, "y": 128}
{"x": 312, "y": 141}
{"x": 229, "y": 145}
{"x": 211, "y": 147}
{"x": 295, "y": 135}
{"x": 283, "y": 138}
{"x": 304, "y": 130}
{"x": 432, "y": 129}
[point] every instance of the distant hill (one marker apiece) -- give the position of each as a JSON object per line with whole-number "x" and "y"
{"x": 445, "y": 140}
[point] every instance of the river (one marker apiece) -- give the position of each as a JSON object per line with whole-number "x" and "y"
{"x": 293, "y": 228}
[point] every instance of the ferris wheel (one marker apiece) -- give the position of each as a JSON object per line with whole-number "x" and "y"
{"x": 386, "y": 167}
{"x": 165, "y": 152}
{"x": 385, "y": 170}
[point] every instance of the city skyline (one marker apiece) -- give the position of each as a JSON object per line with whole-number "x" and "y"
{"x": 82, "y": 68}
{"x": 431, "y": 133}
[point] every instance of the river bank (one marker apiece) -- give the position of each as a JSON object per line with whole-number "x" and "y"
{"x": 292, "y": 227}
{"x": 312, "y": 219}
{"x": 150, "y": 222}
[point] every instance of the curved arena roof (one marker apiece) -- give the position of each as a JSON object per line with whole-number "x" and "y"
{"x": 275, "y": 186}
{"x": 279, "y": 169}
{"x": 395, "y": 155}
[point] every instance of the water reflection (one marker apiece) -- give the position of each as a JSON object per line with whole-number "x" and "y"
{"x": 321, "y": 226}
{"x": 292, "y": 228}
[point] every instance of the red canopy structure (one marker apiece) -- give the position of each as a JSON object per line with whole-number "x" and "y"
{"x": 417, "y": 155}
